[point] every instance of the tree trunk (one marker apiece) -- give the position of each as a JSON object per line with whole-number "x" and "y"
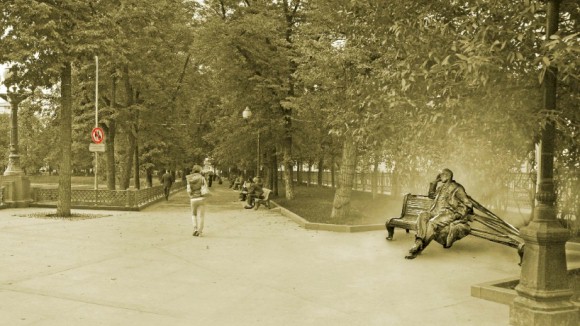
{"x": 149, "y": 177}
{"x": 275, "y": 172}
{"x": 128, "y": 166}
{"x": 267, "y": 164}
{"x": 320, "y": 171}
{"x": 63, "y": 207}
{"x": 136, "y": 179}
{"x": 395, "y": 183}
{"x": 287, "y": 160}
{"x": 309, "y": 178}
{"x": 375, "y": 180}
{"x": 130, "y": 150}
{"x": 299, "y": 173}
{"x": 110, "y": 133}
{"x": 342, "y": 197}
{"x": 332, "y": 172}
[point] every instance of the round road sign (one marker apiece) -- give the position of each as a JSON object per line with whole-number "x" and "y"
{"x": 97, "y": 135}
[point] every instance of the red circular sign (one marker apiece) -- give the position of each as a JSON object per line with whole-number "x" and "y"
{"x": 97, "y": 135}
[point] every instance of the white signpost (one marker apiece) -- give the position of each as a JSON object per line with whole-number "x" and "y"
{"x": 97, "y": 134}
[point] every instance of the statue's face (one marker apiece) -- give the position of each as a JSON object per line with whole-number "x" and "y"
{"x": 445, "y": 176}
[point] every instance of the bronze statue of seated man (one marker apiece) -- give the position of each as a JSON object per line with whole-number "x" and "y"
{"x": 447, "y": 219}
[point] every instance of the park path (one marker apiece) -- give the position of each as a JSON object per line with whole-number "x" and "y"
{"x": 250, "y": 268}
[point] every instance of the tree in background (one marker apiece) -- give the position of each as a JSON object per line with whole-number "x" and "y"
{"x": 43, "y": 40}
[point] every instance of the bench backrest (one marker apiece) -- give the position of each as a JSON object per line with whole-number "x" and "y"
{"x": 415, "y": 204}
{"x": 266, "y": 193}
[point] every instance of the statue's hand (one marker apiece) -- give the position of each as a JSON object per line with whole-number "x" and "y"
{"x": 438, "y": 178}
{"x": 437, "y": 222}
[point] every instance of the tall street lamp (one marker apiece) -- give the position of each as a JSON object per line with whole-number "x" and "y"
{"x": 544, "y": 290}
{"x": 247, "y": 114}
{"x": 11, "y": 95}
{"x": 16, "y": 183}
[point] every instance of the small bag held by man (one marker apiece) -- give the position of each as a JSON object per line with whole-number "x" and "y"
{"x": 204, "y": 188}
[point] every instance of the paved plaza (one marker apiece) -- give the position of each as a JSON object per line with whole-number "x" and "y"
{"x": 249, "y": 268}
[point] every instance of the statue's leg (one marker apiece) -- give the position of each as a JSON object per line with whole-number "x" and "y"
{"x": 423, "y": 225}
{"x": 423, "y": 236}
{"x": 457, "y": 231}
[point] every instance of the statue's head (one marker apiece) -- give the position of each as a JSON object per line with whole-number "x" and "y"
{"x": 196, "y": 169}
{"x": 448, "y": 173}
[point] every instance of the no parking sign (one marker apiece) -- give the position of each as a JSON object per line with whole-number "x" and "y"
{"x": 97, "y": 135}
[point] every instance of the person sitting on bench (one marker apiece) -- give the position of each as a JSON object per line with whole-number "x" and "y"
{"x": 237, "y": 183}
{"x": 254, "y": 191}
{"x": 447, "y": 219}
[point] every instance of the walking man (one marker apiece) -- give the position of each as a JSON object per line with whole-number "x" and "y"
{"x": 195, "y": 182}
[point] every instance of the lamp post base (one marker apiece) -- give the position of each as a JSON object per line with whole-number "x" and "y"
{"x": 17, "y": 191}
{"x": 13, "y": 167}
{"x": 544, "y": 291}
{"x": 529, "y": 312}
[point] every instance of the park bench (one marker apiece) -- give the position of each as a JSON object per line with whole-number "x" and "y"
{"x": 265, "y": 200}
{"x": 493, "y": 228}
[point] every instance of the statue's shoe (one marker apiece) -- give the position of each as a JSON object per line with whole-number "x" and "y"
{"x": 411, "y": 256}
{"x": 417, "y": 247}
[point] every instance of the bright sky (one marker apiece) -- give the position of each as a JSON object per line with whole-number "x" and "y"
{"x": 4, "y": 106}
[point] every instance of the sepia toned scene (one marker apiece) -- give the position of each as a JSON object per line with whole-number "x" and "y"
{"x": 289, "y": 162}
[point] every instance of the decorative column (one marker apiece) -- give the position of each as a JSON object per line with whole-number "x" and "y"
{"x": 544, "y": 290}
{"x": 16, "y": 186}
{"x": 14, "y": 157}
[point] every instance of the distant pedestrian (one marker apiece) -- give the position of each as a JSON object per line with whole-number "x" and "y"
{"x": 197, "y": 201}
{"x": 167, "y": 180}
{"x": 209, "y": 178}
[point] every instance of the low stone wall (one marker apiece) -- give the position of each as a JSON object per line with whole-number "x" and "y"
{"x": 130, "y": 199}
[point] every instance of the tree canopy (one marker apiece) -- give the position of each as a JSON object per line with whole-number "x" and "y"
{"x": 417, "y": 85}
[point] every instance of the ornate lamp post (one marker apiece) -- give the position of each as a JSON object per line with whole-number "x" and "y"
{"x": 17, "y": 185}
{"x": 544, "y": 290}
{"x": 247, "y": 114}
{"x": 10, "y": 94}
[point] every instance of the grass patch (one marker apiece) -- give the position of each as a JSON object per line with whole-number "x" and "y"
{"x": 314, "y": 204}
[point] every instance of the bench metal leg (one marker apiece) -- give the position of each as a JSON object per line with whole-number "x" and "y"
{"x": 391, "y": 232}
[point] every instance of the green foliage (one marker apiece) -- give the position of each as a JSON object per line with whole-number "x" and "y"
{"x": 420, "y": 85}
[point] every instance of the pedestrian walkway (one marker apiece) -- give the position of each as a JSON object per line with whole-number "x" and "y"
{"x": 249, "y": 268}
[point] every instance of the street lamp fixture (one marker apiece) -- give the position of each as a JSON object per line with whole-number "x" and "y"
{"x": 247, "y": 114}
